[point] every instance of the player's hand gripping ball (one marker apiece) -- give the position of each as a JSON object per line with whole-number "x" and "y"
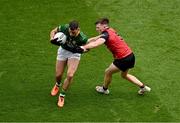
{"x": 60, "y": 37}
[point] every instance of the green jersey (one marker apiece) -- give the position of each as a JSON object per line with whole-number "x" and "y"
{"x": 72, "y": 42}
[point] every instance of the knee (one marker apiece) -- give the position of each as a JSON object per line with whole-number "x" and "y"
{"x": 70, "y": 76}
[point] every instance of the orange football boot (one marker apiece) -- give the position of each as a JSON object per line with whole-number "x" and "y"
{"x": 60, "y": 101}
{"x": 54, "y": 90}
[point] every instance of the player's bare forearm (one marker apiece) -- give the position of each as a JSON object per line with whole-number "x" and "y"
{"x": 94, "y": 44}
{"x": 93, "y": 39}
{"x": 52, "y": 33}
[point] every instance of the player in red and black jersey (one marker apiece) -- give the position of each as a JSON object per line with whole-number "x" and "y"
{"x": 124, "y": 58}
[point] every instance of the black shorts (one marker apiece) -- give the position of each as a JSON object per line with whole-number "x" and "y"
{"x": 125, "y": 63}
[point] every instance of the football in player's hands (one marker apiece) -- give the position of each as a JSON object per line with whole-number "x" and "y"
{"x": 60, "y": 37}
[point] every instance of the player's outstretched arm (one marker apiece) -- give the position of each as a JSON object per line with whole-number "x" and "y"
{"x": 93, "y": 39}
{"x": 87, "y": 47}
{"x": 93, "y": 44}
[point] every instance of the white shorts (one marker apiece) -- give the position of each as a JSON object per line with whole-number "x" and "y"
{"x": 63, "y": 55}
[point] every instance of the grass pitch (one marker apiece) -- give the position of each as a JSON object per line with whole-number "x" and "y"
{"x": 27, "y": 61}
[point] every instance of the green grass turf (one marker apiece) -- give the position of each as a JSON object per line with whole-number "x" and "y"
{"x": 27, "y": 61}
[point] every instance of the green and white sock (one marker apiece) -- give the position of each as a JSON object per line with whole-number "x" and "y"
{"x": 62, "y": 93}
{"x": 58, "y": 84}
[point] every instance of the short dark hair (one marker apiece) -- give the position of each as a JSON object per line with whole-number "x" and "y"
{"x": 73, "y": 25}
{"x": 102, "y": 21}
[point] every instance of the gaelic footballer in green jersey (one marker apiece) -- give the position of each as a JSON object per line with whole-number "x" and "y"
{"x": 67, "y": 56}
{"x": 75, "y": 37}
